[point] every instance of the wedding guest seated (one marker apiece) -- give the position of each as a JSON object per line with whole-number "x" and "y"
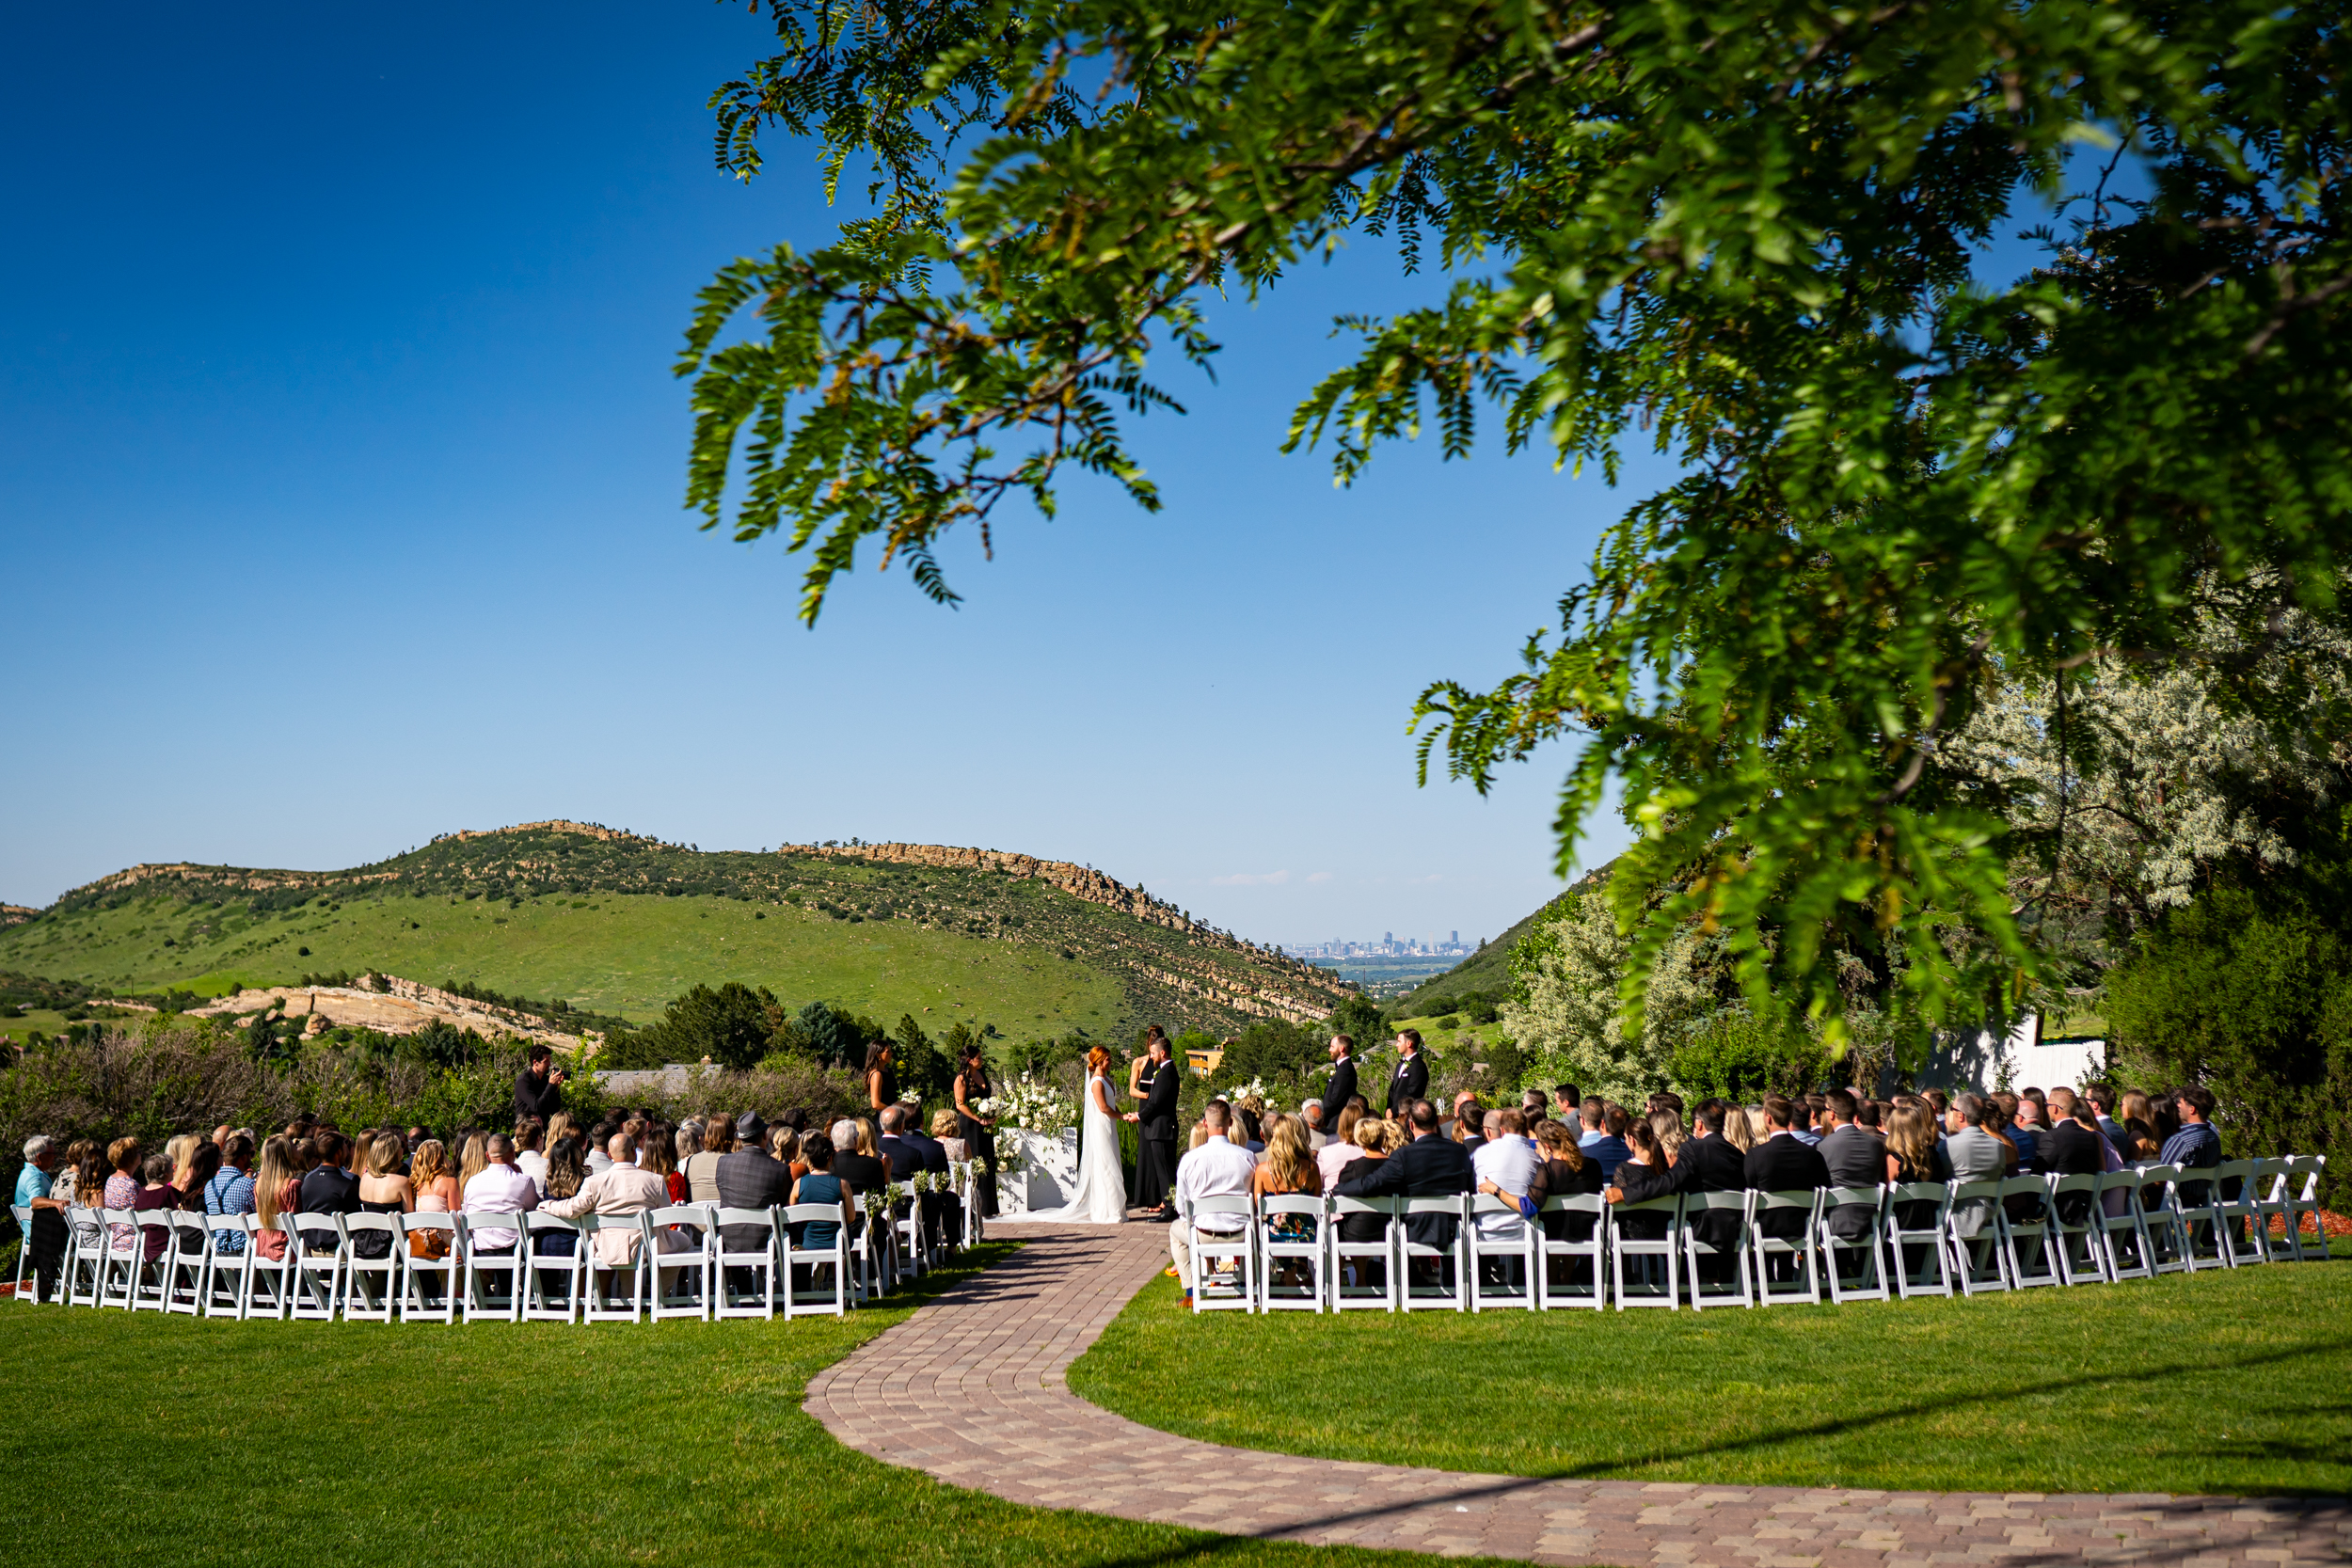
{"x": 620, "y": 1191}
{"x": 1429, "y": 1165}
{"x": 2196, "y": 1146}
{"x": 857, "y": 1159}
{"x": 1288, "y": 1168}
{"x": 1971, "y": 1154}
{"x": 230, "y": 1190}
{"x": 820, "y": 1186}
{"x": 154, "y": 1191}
{"x": 194, "y": 1171}
{"x": 1642, "y": 1177}
{"x": 382, "y": 1190}
{"x": 121, "y": 1191}
{"x": 1342, "y": 1151}
{"x": 749, "y": 1176}
{"x": 1470, "y": 1122}
{"x": 702, "y": 1166}
{"x": 1505, "y": 1165}
{"x": 1214, "y": 1168}
{"x": 1311, "y": 1116}
{"x": 1596, "y": 1140}
{"x": 1853, "y": 1159}
{"x": 784, "y": 1148}
{"x": 945, "y": 1132}
{"x": 327, "y": 1189}
{"x": 278, "y": 1187}
{"x": 1371, "y": 1140}
{"x": 1563, "y": 1171}
{"x": 500, "y": 1189}
{"x": 567, "y": 1168}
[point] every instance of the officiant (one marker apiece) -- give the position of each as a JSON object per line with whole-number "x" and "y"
{"x": 1155, "y": 1085}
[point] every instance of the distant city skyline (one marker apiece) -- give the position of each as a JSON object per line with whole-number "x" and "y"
{"x": 1389, "y": 946}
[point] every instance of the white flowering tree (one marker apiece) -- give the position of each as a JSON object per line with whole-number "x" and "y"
{"x": 1569, "y": 1014}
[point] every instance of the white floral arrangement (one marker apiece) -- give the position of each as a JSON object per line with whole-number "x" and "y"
{"x": 1032, "y": 1106}
{"x": 1240, "y": 1092}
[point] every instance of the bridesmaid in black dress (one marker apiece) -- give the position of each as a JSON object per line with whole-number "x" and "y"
{"x": 882, "y": 1089}
{"x": 973, "y": 1128}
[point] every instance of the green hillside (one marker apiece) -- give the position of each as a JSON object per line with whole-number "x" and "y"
{"x": 616, "y": 923}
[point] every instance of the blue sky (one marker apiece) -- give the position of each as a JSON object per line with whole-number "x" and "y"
{"x": 340, "y": 506}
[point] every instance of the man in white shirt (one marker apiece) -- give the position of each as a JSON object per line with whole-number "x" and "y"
{"x": 1505, "y": 1163}
{"x": 499, "y": 1189}
{"x": 526, "y": 1156}
{"x": 1218, "y": 1168}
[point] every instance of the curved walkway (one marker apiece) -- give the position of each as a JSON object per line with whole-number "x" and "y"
{"x": 972, "y": 1390}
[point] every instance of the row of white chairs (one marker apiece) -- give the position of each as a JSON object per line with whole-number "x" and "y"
{"x": 365, "y": 1267}
{"x": 1757, "y": 1248}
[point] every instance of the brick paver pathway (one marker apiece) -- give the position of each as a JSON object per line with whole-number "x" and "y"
{"x": 972, "y": 1390}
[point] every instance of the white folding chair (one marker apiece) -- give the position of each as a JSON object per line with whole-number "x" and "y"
{"x": 1801, "y": 1274}
{"x": 872, "y": 1271}
{"x": 1502, "y": 1242}
{"x": 2270, "y": 1203}
{"x": 316, "y": 1250}
{"x": 1352, "y": 1262}
{"x": 183, "y": 1264}
{"x": 906, "y": 1239}
{"x": 1866, "y": 1243}
{"x": 1279, "y": 1253}
{"x": 2196, "y": 1198}
{"x": 833, "y": 1256}
{"x": 2074, "y": 1230}
{"x": 480, "y": 1267}
{"x": 2303, "y": 1173}
{"x": 430, "y": 1285}
{"x": 1560, "y": 1255}
{"x": 2123, "y": 1228}
{"x": 743, "y": 1272}
{"x": 269, "y": 1292}
{"x": 2237, "y": 1191}
{"x": 614, "y": 1296}
{"x": 1236, "y": 1247}
{"x": 1436, "y": 1297}
{"x": 553, "y": 1281}
{"x": 372, "y": 1278}
{"x": 1656, "y": 1258}
{"x": 2027, "y": 1252}
{"x": 121, "y": 1256}
{"x": 1915, "y": 1249}
{"x": 682, "y": 1286}
{"x": 85, "y": 1268}
{"x": 227, "y": 1286}
{"x": 1729, "y": 1257}
{"x": 22, "y": 1214}
{"x": 1977, "y": 1254}
{"x": 2161, "y": 1223}
{"x": 148, "y": 1274}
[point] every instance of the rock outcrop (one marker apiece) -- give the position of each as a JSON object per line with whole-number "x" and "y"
{"x": 403, "y": 1008}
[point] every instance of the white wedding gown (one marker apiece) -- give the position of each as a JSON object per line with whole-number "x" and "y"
{"x": 1100, "y": 1196}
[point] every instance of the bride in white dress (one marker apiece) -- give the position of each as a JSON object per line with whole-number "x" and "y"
{"x": 1101, "y": 1195}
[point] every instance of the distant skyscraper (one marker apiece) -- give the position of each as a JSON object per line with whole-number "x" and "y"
{"x": 1453, "y": 939}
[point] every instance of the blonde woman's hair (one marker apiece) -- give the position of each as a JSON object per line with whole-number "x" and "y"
{"x": 559, "y": 1126}
{"x": 784, "y": 1144}
{"x": 276, "y": 1169}
{"x": 384, "y": 1154}
{"x": 1736, "y": 1131}
{"x": 1351, "y": 1118}
{"x": 944, "y": 1124}
{"x": 1286, "y": 1151}
{"x": 1911, "y": 1135}
{"x": 1200, "y": 1135}
{"x": 865, "y": 1144}
{"x": 1668, "y": 1127}
{"x": 429, "y": 1164}
{"x": 475, "y": 1159}
{"x": 1376, "y": 1137}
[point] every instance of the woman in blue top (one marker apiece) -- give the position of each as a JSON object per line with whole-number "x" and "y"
{"x": 819, "y": 1186}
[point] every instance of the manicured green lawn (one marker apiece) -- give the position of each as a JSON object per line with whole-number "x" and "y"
{"x": 148, "y": 1440}
{"x": 2230, "y": 1383}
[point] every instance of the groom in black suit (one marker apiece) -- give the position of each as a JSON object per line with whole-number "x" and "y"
{"x": 1410, "y": 1080}
{"x": 1155, "y": 1132}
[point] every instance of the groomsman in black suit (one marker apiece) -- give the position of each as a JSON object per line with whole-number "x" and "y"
{"x": 1410, "y": 1080}
{"x": 1335, "y": 1098}
{"x": 1155, "y": 1132}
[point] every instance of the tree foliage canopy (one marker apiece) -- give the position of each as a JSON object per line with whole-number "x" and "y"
{"x": 1748, "y": 232}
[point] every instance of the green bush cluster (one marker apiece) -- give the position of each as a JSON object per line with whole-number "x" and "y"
{"x": 1737, "y": 1056}
{"x": 2247, "y": 991}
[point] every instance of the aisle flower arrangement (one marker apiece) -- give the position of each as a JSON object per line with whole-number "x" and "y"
{"x": 1027, "y": 1105}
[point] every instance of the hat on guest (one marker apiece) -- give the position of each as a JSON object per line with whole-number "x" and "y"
{"x": 748, "y": 1129}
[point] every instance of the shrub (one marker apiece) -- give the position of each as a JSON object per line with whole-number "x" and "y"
{"x": 2250, "y": 996}
{"x": 1735, "y": 1057}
